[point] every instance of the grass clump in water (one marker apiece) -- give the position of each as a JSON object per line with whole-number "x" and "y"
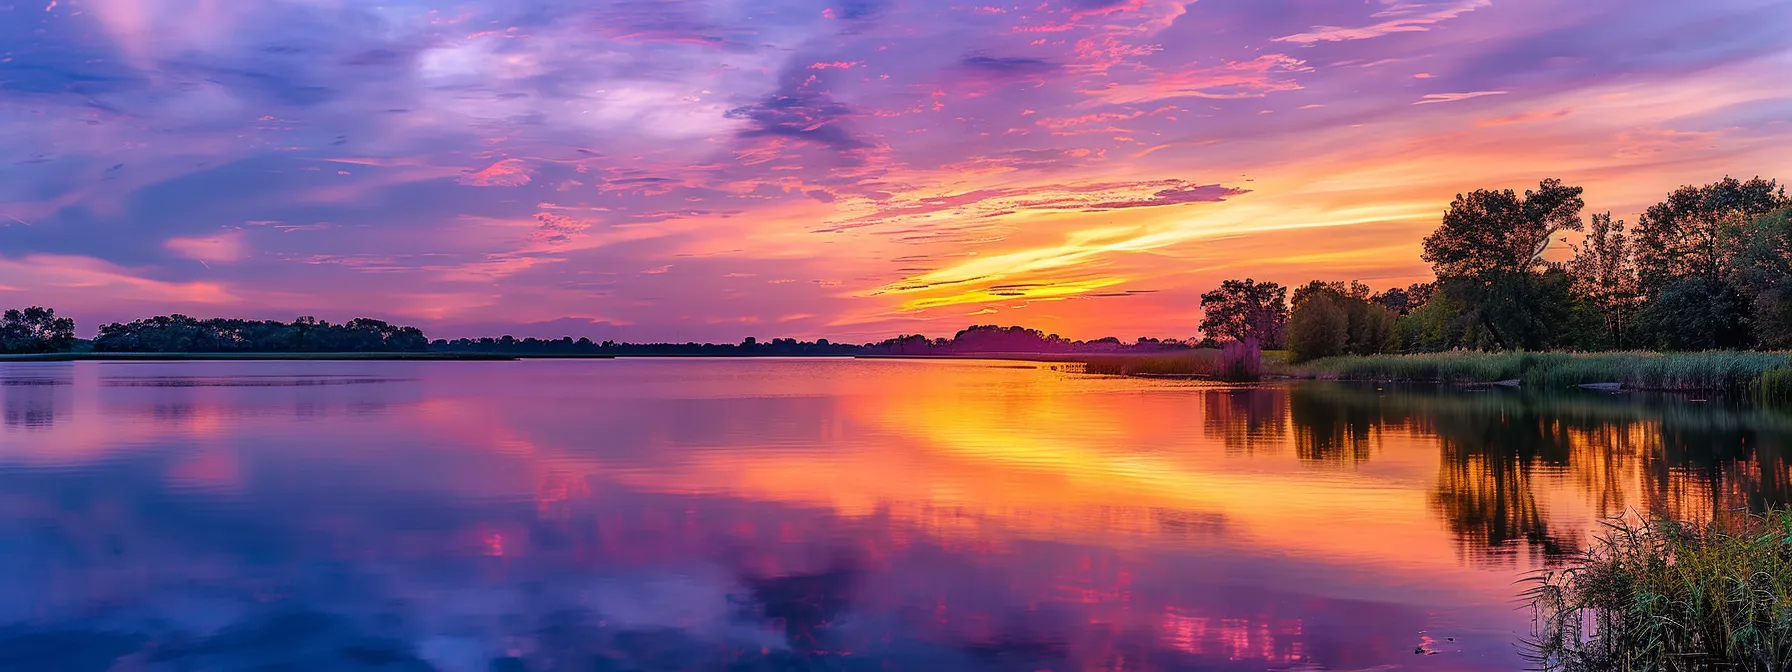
{"x": 1204, "y": 362}
{"x": 1671, "y": 596}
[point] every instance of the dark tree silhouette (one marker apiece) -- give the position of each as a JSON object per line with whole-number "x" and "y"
{"x": 1604, "y": 269}
{"x": 1490, "y": 232}
{"x": 1696, "y": 230}
{"x": 1246, "y": 309}
{"x": 35, "y": 329}
{"x": 1488, "y": 256}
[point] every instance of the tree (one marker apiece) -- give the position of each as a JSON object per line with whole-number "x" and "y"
{"x": 1405, "y": 300}
{"x": 1694, "y": 236}
{"x": 1692, "y": 314}
{"x": 1335, "y": 318}
{"x": 1488, "y": 254}
{"x": 1605, "y": 275}
{"x": 1245, "y": 309}
{"x": 1762, "y": 272}
{"x": 35, "y": 329}
{"x": 1694, "y": 231}
{"x": 1317, "y": 328}
{"x": 1489, "y": 232}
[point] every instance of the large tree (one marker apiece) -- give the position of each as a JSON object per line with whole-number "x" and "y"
{"x": 1488, "y": 254}
{"x": 35, "y": 329}
{"x": 1762, "y": 272}
{"x": 1604, "y": 271}
{"x": 1695, "y": 232}
{"x": 1241, "y": 310}
{"x": 1487, "y": 232}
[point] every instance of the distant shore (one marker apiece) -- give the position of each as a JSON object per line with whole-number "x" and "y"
{"x": 253, "y": 356}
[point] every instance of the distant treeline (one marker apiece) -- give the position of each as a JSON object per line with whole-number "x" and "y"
{"x": 1708, "y": 268}
{"x": 38, "y": 330}
{"x": 180, "y": 333}
{"x": 981, "y": 339}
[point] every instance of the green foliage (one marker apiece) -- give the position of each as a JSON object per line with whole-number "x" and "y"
{"x": 1762, "y": 271}
{"x": 1692, "y": 314}
{"x": 1318, "y": 328}
{"x": 1332, "y": 319}
{"x": 179, "y": 333}
{"x": 1719, "y": 371}
{"x": 1245, "y": 309}
{"x": 1605, "y": 281}
{"x": 1696, "y": 231}
{"x": 1497, "y": 232}
{"x": 1669, "y": 596}
{"x": 34, "y": 330}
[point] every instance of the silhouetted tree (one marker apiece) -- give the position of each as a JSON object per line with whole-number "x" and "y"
{"x": 1246, "y": 309}
{"x": 1686, "y": 249}
{"x": 35, "y": 329}
{"x": 1604, "y": 271}
{"x": 1763, "y": 272}
{"x": 1488, "y": 255}
{"x": 1695, "y": 231}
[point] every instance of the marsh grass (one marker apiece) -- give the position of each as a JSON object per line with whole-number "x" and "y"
{"x": 1775, "y": 388}
{"x": 1723, "y": 371}
{"x": 1670, "y": 596}
{"x": 1204, "y": 362}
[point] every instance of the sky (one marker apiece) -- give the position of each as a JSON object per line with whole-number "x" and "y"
{"x": 850, "y": 169}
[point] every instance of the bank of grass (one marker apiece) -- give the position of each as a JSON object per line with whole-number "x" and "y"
{"x": 1730, "y": 372}
{"x": 1671, "y": 596}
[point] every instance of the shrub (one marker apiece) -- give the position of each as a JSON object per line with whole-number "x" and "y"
{"x": 1671, "y": 596}
{"x": 1317, "y": 328}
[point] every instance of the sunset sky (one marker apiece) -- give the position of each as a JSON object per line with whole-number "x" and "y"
{"x": 849, "y": 169}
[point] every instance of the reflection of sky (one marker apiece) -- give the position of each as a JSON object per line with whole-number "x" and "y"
{"x": 927, "y": 515}
{"x": 709, "y": 169}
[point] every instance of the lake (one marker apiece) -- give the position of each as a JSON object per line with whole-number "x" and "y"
{"x": 814, "y": 514}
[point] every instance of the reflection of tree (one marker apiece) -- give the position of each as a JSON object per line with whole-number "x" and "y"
{"x": 1503, "y": 452}
{"x": 1326, "y": 430}
{"x": 32, "y": 396}
{"x": 808, "y": 604}
{"x": 1245, "y": 419}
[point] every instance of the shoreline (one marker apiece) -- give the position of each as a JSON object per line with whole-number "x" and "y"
{"x": 253, "y": 356}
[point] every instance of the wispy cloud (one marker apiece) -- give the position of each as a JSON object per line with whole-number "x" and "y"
{"x": 1400, "y": 16}
{"x": 1431, "y": 98}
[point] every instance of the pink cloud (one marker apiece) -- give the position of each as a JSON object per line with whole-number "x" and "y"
{"x": 506, "y": 173}
{"x": 1432, "y": 98}
{"x": 222, "y": 248}
{"x": 1401, "y": 16}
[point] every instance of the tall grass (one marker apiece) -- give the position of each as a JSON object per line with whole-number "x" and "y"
{"x": 1241, "y": 362}
{"x": 1205, "y": 362}
{"x": 1670, "y": 596}
{"x": 1736, "y": 372}
{"x": 1775, "y": 387}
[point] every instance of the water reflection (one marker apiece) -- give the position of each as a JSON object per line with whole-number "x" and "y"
{"x": 33, "y": 394}
{"x": 807, "y": 515}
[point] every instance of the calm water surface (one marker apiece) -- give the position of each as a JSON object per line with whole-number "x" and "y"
{"x": 805, "y": 514}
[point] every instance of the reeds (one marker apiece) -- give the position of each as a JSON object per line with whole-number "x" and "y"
{"x": 1670, "y": 596}
{"x": 1721, "y": 371}
{"x": 1241, "y": 362}
{"x": 1775, "y": 388}
{"x": 1187, "y": 363}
